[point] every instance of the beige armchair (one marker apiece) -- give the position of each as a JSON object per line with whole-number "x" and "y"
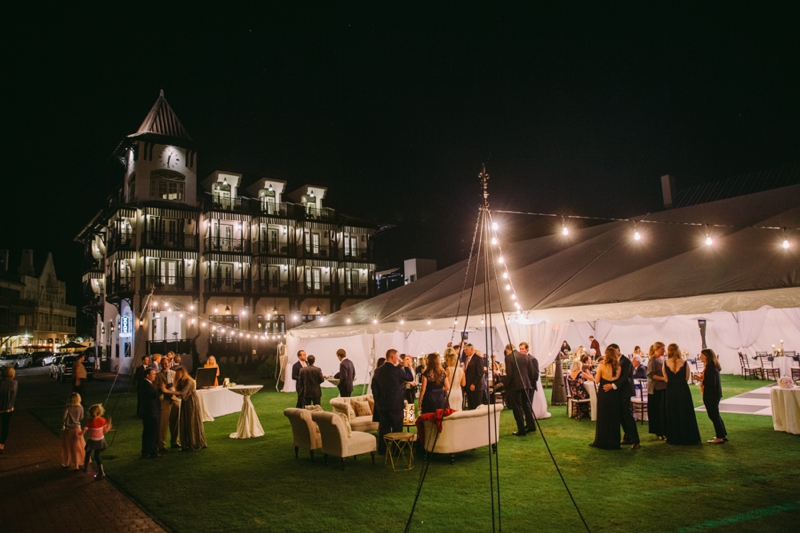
{"x": 359, "y": 422}
{"x": 305, "y": 432}
{"x": 335, "y": 440}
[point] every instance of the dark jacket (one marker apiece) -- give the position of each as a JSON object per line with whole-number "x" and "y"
{"x": 640, "y": 372}
{"x": 138, "y": 375}
{"x": 522, "y": 372}
{"x": 296, "y": 368}
{"x": 475, "y": 373}
{"x": 346, "y": 375}
{"x": 388, "y": 386}
{"x": 310, "y": 379}
{"x": 149, "y": 403}
{"x": 712, "y": 385}
{"x": 625, "y": 382}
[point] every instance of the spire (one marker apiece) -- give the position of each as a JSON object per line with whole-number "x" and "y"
{"x": 162, "y": 120}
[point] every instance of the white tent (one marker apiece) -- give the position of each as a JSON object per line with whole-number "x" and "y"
{"x": 601, "y": 281}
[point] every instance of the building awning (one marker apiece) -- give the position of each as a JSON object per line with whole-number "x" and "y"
{"x": 318, "y": 263}
{"x": 170, "y": 212}
{"x": 261, "y": 260}
{"x": 226, "y": 258}
{"x": 168, "y": 254}
{"x": 226, "y": 215}
{"x": 122, "y": 254}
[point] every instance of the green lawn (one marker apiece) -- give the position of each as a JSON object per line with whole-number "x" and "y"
{"x": 750, "y": 483}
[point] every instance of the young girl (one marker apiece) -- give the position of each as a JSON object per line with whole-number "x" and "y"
{"x": 72, "y": 445}
{"x": 97, "y": 426}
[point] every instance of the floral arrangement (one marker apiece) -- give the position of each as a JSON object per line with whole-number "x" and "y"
{"x": 786, "y": 382}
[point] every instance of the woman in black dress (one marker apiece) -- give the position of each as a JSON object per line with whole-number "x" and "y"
{"x": 609, "y": 408}
{"x": 712, "y": 393}
{"x": 656, "y": 390}
{"x": 435, "y": 385}
{"x": 680, "y": 422}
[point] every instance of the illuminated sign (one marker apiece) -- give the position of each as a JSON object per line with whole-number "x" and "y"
{"x": 125, "y": 326}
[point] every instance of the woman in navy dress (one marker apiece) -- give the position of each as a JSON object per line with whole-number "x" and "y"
{"x": 435, "y": 385}
{"x": 609, "y": 406}
{"x": 680, "y": 422}
{"x": 712, "y": 393}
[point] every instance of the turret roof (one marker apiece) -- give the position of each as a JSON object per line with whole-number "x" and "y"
{"x": 162, "y": 121}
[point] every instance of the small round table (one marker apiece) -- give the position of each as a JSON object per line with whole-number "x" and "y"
{"x": 248, "y": 425}
{"x": 400, "y": 450}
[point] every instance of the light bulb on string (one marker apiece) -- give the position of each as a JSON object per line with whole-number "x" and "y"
{"x": 494, "y": 240}
{"x": 501, "y": 260}
{"x": 429, "y": 322}
{"x": 508, "y": 287}
{"x": 495, "y": 226}
{"x": 564, "y": 230}
{"x": 348, "y": 320}
{"x": 709, "y": 240}
{"x": 637, "y": 236}
{"x": 785, "y": 244}
{"x": 505, "y": 275}
{"x": 513, "y": 296}
{"x": 402, "y": 321}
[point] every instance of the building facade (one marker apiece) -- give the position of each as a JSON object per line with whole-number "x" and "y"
{"x": 201, "y": 255}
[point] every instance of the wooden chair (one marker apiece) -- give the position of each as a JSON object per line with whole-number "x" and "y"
{"x": 639, "y": 402}
{"x": 575, "y": 407}
{"x": 591, "y": 388}
{"x": 549, "y": 374}
{"x": 795, "y": 365}
{"x": 768, "y": 370}
{"x": 747, "y": 370}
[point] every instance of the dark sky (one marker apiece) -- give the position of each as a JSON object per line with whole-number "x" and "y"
{"x": 395, "y": 106}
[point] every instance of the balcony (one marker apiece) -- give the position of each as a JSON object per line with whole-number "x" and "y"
{"x": 272, "y": 209}
{"x": 227, "y": 285}
{"x": 226, "y": 204}
{"x": 120, "y": 241}
{"x": 215, "y": 243}
{"x": 355, "y": 289}
{"x": 363, "y": 254}
{"x": 317, "y": 252}
{"x": 273, "y": 248}
{"x": 116, "y": 286}
{"x": 171, "y": 283}
{"x": 325, "y": 214}
{"x": 172, "y": 241}
{"x": 90, "y": 264}
{"x": 316, "y": 288}
{"x": 268, "y": 287}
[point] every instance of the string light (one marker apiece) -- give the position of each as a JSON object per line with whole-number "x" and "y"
{"x": 495, "y": 226}
{"x": 501, "y": 260}
{"x": 494, "y": 240}
{"x": 508, "y": 286}
{"x": 505, "y": 275}
{"x": 785, "y": 243}
{"x": 564, "y": 230}
{"x": 637, "y": 236}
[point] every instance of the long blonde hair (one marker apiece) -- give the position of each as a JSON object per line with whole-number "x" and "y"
{"x": 673, "y": 351}
{"x": 74, "y": 399}
{"x": 451, "y": 358}
{"x": 612, "y": 359}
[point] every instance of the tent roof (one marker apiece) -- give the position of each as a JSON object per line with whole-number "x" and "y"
{"x": 601, "y": 266}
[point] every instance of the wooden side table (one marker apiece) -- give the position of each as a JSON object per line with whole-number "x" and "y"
{"x": 400, "y": 450}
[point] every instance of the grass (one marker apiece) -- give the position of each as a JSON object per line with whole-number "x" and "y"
{"x": 749, "y": 483}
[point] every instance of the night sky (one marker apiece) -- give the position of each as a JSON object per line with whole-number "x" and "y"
{"x": 394, "y": 107}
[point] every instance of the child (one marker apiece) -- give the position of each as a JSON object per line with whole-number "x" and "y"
{"x": 72, "y": 445}
{"x": 97, "y": 426}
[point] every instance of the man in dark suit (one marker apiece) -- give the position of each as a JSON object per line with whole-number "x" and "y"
{"x": 639, "y": 370}
{"x": 346, "y": 374}
{"x": 523, "y": 349}
{"x": 520, "y": 379}
{"x": 387, "y": 389}
{"x": 150, "y": 413}
{"x": 475, "y": 375}
{"x": 138, "y": 376}
{"x": 311, "y": 378}
{"x": 625, "y": 386}
{"x": 299, "y": 365}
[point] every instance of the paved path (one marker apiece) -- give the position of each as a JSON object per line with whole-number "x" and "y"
{"x": 36, "y": 495}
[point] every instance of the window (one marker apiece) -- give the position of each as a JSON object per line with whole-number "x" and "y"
{"x": 225, "y": 335}
{"x": 315, "y": 243}
{"x": 316, "y": 275}
{"x": 274, "y": 325}
{"x": 167, "y": 185}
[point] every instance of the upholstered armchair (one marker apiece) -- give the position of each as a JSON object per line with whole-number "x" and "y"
{"x": 335, "y": 439}
{"x": 305, "y": 432}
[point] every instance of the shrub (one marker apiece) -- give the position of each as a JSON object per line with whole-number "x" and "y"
{"x": 230, "y": 370}
{"x": 266, "y": 370}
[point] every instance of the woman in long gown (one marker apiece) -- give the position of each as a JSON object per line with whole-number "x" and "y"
{"x": 434, "y": 385}
{"x": 680, "y": 421}
{"x": 455, "y": 375}
{"x": 656, "y": 390}
{"x": 193, "y": 437}
{"x": 609, "y": 406}
{"x": 211, "y": 362}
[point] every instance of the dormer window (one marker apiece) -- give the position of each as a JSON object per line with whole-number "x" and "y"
{"x": 167, "y": 185}
{"x": 267, "y": 199}
{"x": 221, "y": 194}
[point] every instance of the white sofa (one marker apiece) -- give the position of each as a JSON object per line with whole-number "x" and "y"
{"x": 335, "y": 440}
{"x": 463, "y": 430}
{"x": 305, "y": 432}
{"x": 357, "y": 423}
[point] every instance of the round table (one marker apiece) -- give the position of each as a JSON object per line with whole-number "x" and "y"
{"x": 400, "y": 450}
{"x": 248, "y": 425}
{"x": 784, "y": 364}
{"x": 785, "y": 405}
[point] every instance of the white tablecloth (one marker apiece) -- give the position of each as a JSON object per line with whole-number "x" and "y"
{"x": 784, "y": 364}
{"x": 218, "y": 402}
{"x": 248, "y": 425}
{"x": 785, "y": 409}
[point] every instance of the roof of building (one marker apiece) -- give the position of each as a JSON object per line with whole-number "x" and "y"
{"x": 162, "y": 121}
{"x": 762, "y": 180}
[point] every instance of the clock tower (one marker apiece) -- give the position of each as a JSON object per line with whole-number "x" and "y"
{"x": 160, "y": 159}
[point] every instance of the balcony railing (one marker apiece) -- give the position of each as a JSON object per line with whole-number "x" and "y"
{"x": 90, "y": 263}
{"x": 230, "y": 285}
{"x": 319, "y": 252}
{"x": 119, "y": 285}
{"x": 215, "y": 243}
{"x": 18, "y": 306}
{"x": 226, "y": 204}
{"x": 268, "y": 287}
{"x": 121, "y": 241}
{"x": 324, "y": 213}
{"x": 173, "y": 241}
{"x": 273, "y": 247}
{"x": 171, "y": 283}
{"x": 272, "y": 209}
{"x": 362, "y": 254}
{"x": 354, "y": 289}
{"x": 316, "y": 288}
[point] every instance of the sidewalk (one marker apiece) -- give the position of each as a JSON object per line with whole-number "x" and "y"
{"x": 37, "y": 495}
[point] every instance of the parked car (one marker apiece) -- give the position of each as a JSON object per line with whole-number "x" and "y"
{"x": 24, "y": 360}
{"x": 16, "y": 360}
{"x": 8, "y": 360}
{"x": 66, "y": 366}
{"x": 47, "y": 359}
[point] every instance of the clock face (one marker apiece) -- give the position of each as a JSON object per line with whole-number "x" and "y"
{"x": 170, "y": 158}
